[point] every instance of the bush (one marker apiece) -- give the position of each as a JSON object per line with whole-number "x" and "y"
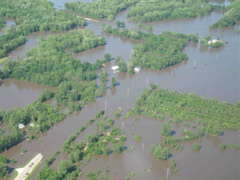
{"x": 196, "y": 147}
{"x": 137, "y": 138}
{"x": 159, "y": 152}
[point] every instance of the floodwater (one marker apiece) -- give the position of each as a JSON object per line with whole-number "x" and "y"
{"x": 211, "y": 73}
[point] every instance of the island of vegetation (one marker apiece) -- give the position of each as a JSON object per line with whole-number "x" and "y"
{"x": 100, "y": 9}
{"x": 207, "y": 41}
{"x": 156, "y": 51}
{"x": 43, "y": 17}
{"x": 231, "y": 16}
{"x": 208, "y": 115}
{"x": 155, "y": 10}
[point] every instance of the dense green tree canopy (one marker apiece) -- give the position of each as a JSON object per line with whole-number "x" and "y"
{"x": 100, "y": 9}
{"x": 231, "y": 16}
{"x": 32, "y": 16}
{"x": 211, "y": 115}
{"x": 158, "y": 52}
{"x": 155, "y": 10}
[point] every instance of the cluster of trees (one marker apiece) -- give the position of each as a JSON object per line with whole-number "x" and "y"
{"x": 98, "y": 143}
{"x": 160, "y": 152}
{"x": 100, "y": 9}
{"x": 211, "y": 115}
{"x": 208, "y": 42}
{"x": 48, "y": 64}
{"x": 231, "y": 16}
{"x": 43, "y": 116}
{"x": 132, "y": 34}
{"x": 187, "y": 136}
{"x": 43, "y": 17}
{"x": 155, "y": 10}
{"x": 3, "y": 167}
{"x": 158, "y": 52}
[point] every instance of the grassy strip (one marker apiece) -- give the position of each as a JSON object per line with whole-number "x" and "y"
{"x": 2, "y": 60}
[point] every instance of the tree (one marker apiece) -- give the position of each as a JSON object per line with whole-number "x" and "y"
{"x": 196, "y": 147}
{"x": 122, "y": 66}
{"x": 114, "y": 82}
{"x": 166, "y": 130}
{"x": 4, "y": 169}
{"x": 159, "y": 152}
{"x": 107, "y": 57}
{"x": 137, "y": 138}
{"x": 120, "y": 24}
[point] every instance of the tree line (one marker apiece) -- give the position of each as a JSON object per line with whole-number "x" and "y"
{"x": 100, "y": 9}
{"x": 147, "y": 11}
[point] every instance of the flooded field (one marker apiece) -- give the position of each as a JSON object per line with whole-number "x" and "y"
{"x": 211, "y": 73}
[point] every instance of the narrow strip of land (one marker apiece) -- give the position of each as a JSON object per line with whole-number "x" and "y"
{"x": 25, "y": 171}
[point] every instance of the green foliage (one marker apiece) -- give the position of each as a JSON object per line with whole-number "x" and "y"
{"x": 208, "y": 42}
{"x": 120, "y": 24}
{"x": 122, "y": 66}
{"x": 117, "y": 148}
{"x": 231, "y": 17}
{"x": 137, "y": 138}
{"x": 43, "y": 17}
{"x": 100, "y": 9}
{"x": 166, "y": 130}
{"x": 158, "y": 52}
{"x": 43, "y": 116}
{"x": 131, "y": 34}
{"x": 213, "y": 116}
{"x": 176, "y": 146}
{"x": 229, "y": 146}
{"x": 107, "y": 57}
{"x": 156, "y": 10}
{"x": 196, "y": 147}
{"x": 95, "y": 144}
{"x": 46, "y": 95}
{"x": 48, "y": 64}
{"x": 117, "y": 114}
{"x": 114, "y": 82}
{"x": 174, "y": 166}
{"x": 223, "y": 147}
{"x": 4, "y": 169}
{"x": 159, "y": 152}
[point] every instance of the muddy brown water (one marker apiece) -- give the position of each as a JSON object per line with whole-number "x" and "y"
{"x": 211, "y": 73}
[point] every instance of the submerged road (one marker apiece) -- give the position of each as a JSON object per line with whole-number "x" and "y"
{"x": 24, "y": 172}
